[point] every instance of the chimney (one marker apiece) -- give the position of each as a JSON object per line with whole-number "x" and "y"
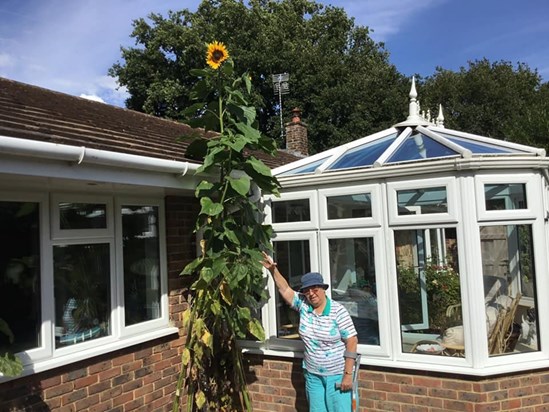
{"x": 296, "y": 135}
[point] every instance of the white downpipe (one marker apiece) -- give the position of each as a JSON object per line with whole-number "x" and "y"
{"x": 84, "y": 155}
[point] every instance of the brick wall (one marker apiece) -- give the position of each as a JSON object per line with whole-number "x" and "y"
{"x": 139, "y": 378}
{"x": 276, "y": 385}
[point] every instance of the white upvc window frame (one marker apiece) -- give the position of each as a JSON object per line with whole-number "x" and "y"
{"x": 270, "y": 321}
{"x": 376, "y": 203}
{"x": 533, "y": 197}
{"x": 58, "y": 233}
{"x": 310, "y": 195}
{"x": 383, "y": 349}
{"x": 432, "y": 218}
{"x": 163, "y": 320}
{"x": 46, "y": 356}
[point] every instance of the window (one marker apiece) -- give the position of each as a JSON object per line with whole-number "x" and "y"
{"x": 429, "y": 291}
{"x": 297, "y": 210}
{"x": 81, "y": 289}
{"x": 509, "y": 288}
{"x": 422, "y": 201}
{"x": 141, "y": 255}
{"x": 20, "y": 282}
{"x": 505, "y": 196}
{"x": 353, "y": 283}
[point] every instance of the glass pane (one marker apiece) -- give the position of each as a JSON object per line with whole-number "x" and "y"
{"x": 429, "y": 291}
{"x": 291, "y": 211}
{"x": 82, "y": 216}
{"x": 419, "y": 146}
{"x": 82, "y": 292}
{"x": 308, "y": 168}
{"x": 141, "y": 263}
{"x": 353, "y": 272}
{"x": 293, "y": 261}
{"x": 478, "y": 147}
{"x": 422, "y": 201}
{"x": 20, "y": 275}
{"x": 349, "y": 206}
{"x": 509, "y": 289}
{"x": 364, "y": 155}
{"x": 505, "y": 197}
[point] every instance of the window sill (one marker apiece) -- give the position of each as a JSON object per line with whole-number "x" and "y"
{"x": 67, "y": 359}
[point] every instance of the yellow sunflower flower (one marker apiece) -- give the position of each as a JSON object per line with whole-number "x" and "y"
{"x": 217, "y": 54}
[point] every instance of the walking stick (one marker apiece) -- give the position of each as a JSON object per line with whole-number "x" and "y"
{"x": 354, "y": 390}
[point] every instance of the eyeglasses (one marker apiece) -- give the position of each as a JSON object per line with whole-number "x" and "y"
{"x": 313, "y": 289}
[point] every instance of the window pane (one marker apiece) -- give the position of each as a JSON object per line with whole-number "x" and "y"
{"x": 349, "y": 206}
{"x": 82, "y": 292}
{"x": 505, "y": 197}
{"x": 20, "y": 275}
{"x": 353, "y": 272}
{"x": 422, "y": 201}
{"x": 417, "y": 147}
{"x": 429, "y": 291}
{"x": 293, "y": 261}
{"x": 82, "y": 216}
{"x": 141, "y": 263}
{"x": 291, "y": 211}
{"x": 509, "y": 288}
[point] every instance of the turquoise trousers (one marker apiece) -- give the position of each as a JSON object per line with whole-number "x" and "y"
{"x": 323, "y": 395}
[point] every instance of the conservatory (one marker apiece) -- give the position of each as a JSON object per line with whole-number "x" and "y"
{"x": 435, "y": 240}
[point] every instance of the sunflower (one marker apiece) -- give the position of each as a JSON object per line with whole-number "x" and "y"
{"x": 217, "y": 54}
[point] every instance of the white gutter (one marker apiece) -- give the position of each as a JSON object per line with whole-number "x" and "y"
{"x": 84, "y": 155}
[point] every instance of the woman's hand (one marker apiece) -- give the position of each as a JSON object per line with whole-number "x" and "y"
{"x": 268, "y": 263}
{"x": 347, "y": 383}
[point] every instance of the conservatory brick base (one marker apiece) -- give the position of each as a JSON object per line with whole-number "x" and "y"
{"x": 277, "y": 386}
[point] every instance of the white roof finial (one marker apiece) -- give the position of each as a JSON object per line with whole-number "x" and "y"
{"x": 414, "y": 115}
{"x": 414, "y": 104}
{"x": 440, "y": 117}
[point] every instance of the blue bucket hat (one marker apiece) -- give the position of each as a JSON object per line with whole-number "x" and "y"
{"x": 312, "y": 279}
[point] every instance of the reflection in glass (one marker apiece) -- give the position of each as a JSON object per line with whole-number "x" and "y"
{"x": 505, "y": 197}
{"x": 353, "y": 272}
{"x": 349, "y": 206}
{"x": 422, "y": 201}
{"x": 417, "y": 147}
{"x": 291, "y": 211}
{"x": 141, "y": 263}
{"x": 293, "y": 260}
{"x": 509, "y": 288}
{"x": 364, "y": 155}
{"x": 82, "y": 292}
{"x": 20, "y": 275}
{"x": 82, "y": 216}
{"x": 429, "y": 291}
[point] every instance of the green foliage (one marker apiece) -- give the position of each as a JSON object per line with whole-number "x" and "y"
{"x": 10, "y": 365}
{"x": 229, "y": 286}
{"x": 339, "y": 77}
{"x": 441, "y": 283}
{"x": 492, "y": 99}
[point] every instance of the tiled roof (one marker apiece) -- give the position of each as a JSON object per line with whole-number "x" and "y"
{"x": 34, "y": 113}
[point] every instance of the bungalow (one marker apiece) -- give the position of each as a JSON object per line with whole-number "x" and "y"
{"x": 435, "y": 240}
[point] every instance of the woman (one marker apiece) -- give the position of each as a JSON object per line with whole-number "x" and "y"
{"x": 330, "y": 340}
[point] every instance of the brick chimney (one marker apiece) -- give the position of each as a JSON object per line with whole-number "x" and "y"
{"x": 296, "y": 135}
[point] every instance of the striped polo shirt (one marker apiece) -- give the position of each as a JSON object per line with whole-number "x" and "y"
{"x": 323, "y": 335}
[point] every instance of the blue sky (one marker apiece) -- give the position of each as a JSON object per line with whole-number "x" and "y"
{"x": 68, "y": 45}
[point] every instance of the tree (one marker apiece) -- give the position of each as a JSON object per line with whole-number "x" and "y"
{"x": 339, "y": 77}
{"x": 492, "y": 99}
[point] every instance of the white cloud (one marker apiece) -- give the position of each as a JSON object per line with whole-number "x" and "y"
{"x": 6, "y": 60}
{"x": 384, "y": 17}
{"x": 92, "y": 97}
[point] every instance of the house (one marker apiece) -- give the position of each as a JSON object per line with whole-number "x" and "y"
{"x": 97, "y": 209}
{"x": 434, "y": 239}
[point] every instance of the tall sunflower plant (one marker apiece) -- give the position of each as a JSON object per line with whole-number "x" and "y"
{"x": 228, "y": 286}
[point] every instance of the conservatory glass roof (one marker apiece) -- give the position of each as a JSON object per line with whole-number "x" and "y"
{"x": 417, "y": 139}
